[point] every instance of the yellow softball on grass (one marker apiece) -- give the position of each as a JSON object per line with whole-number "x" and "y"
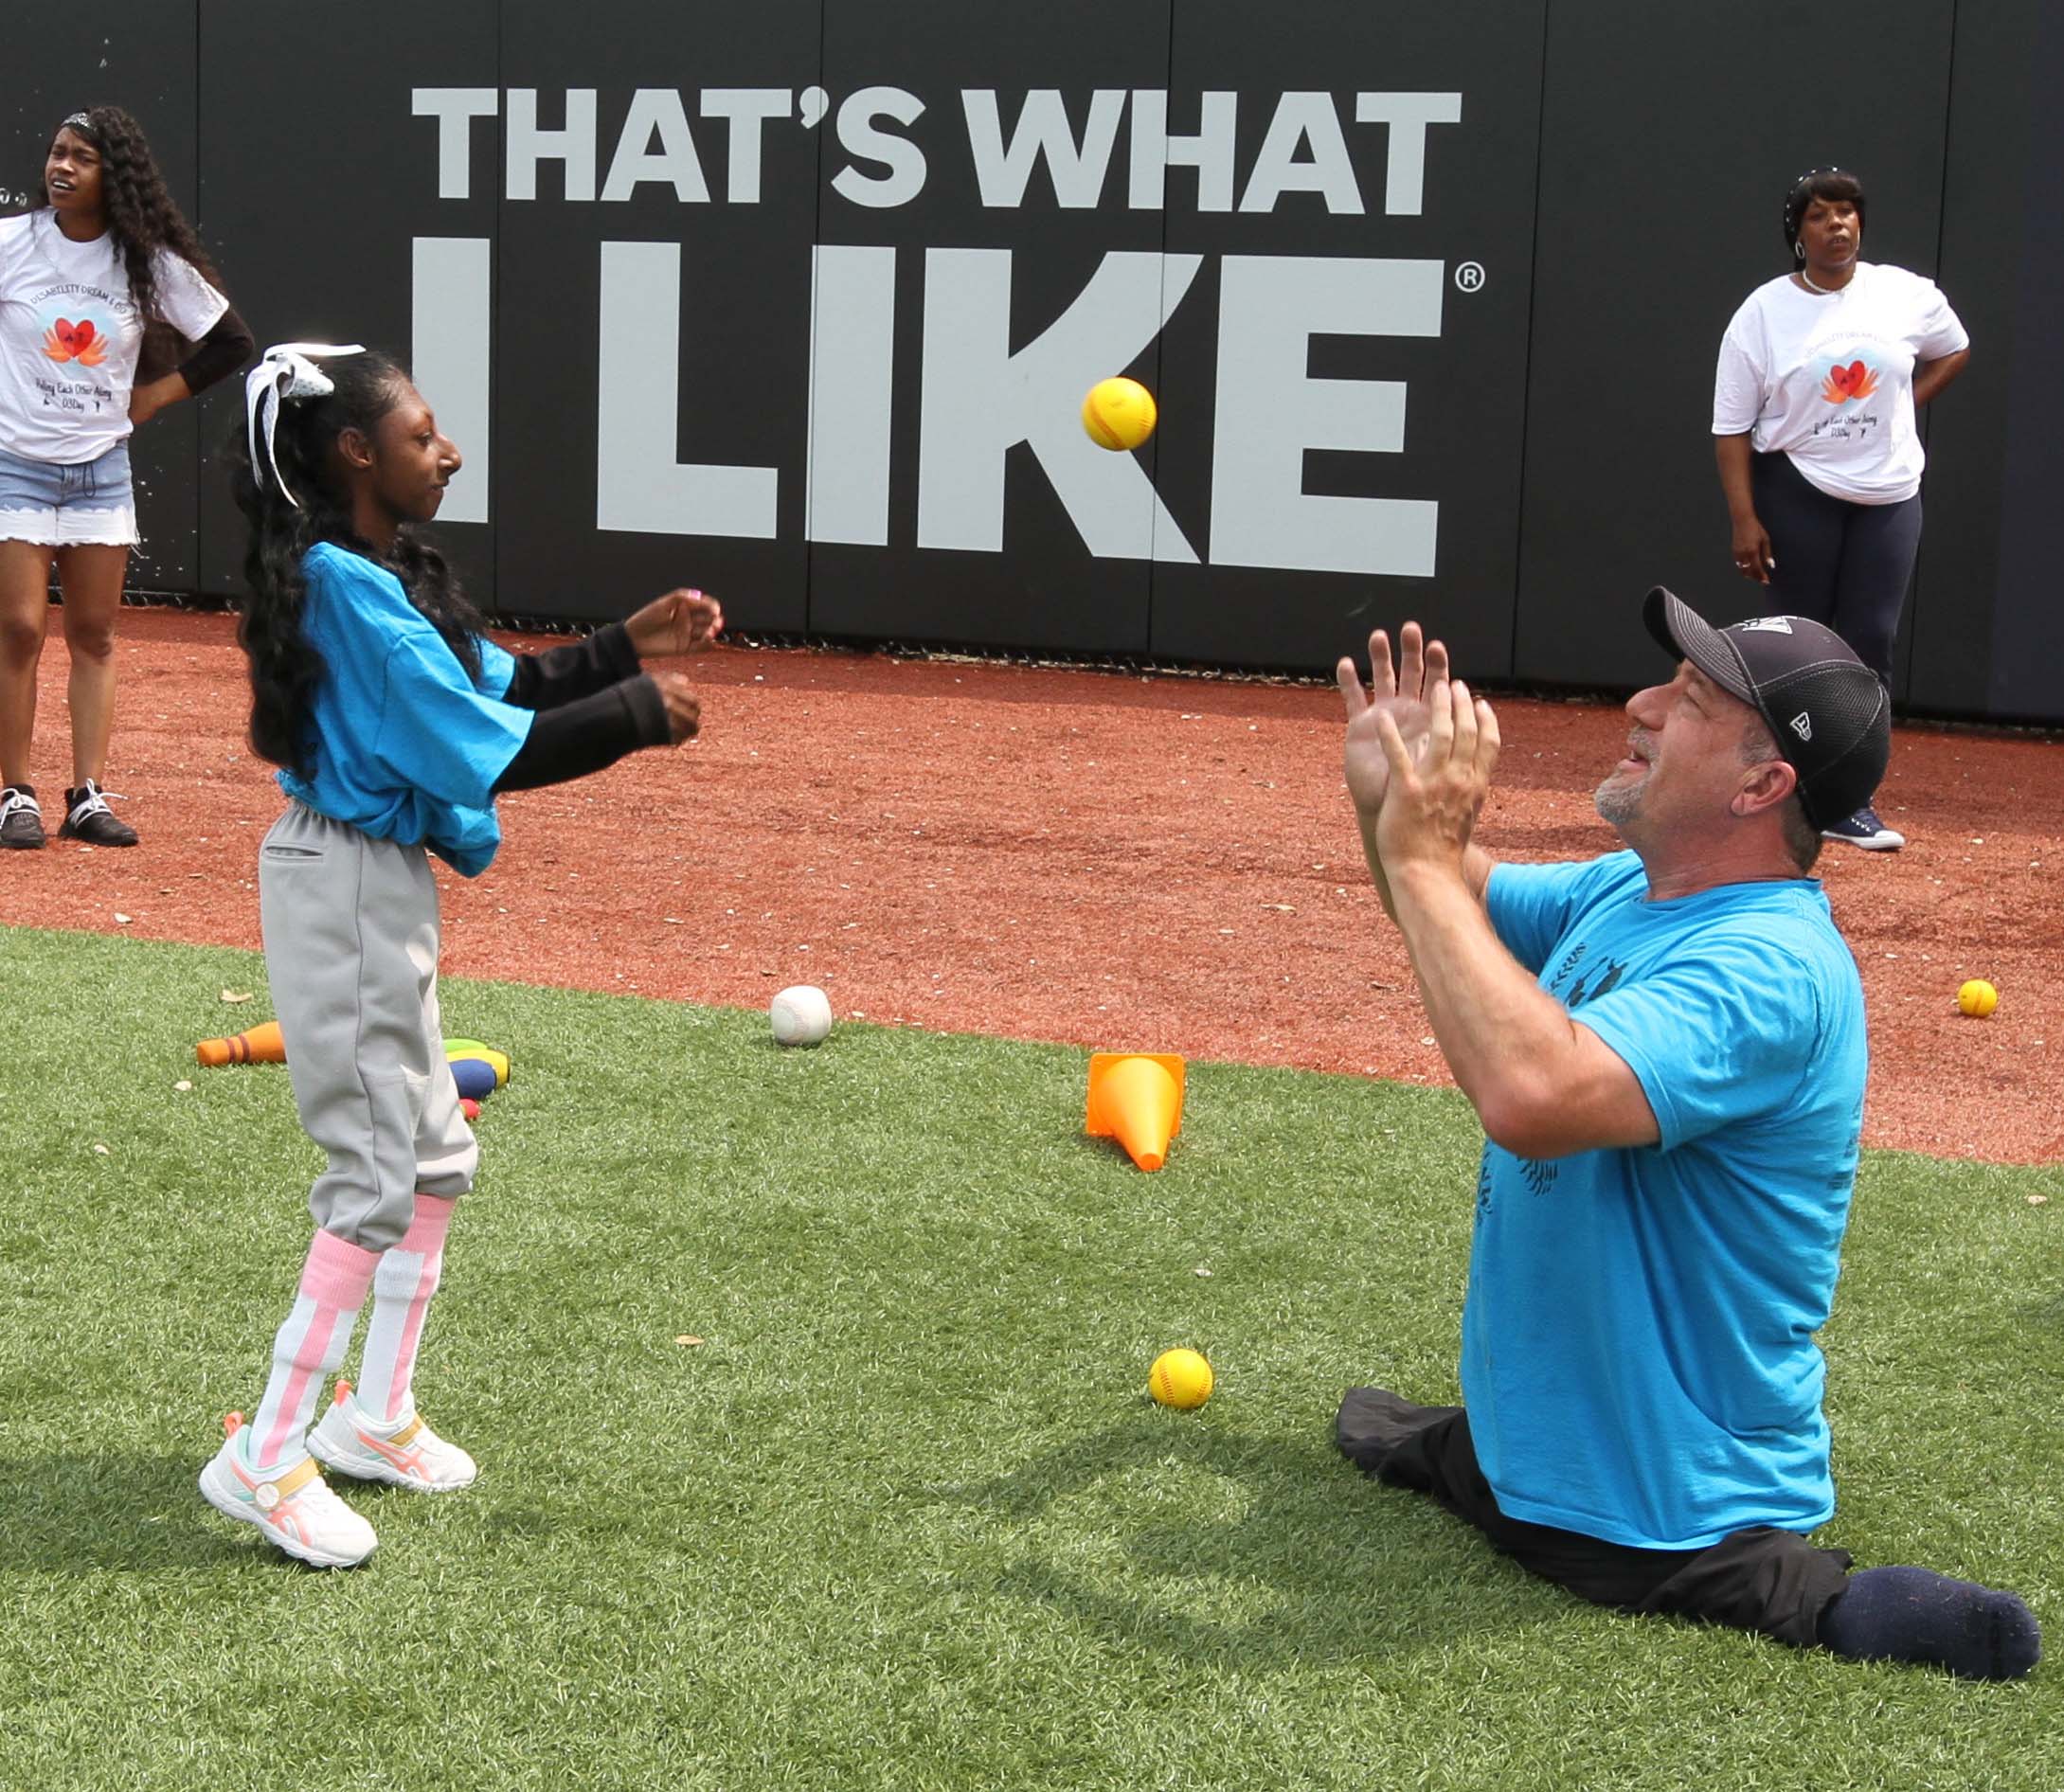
{"x": 1978, "y": 999}
{"x": 1119, "y": 414}
{"x": 1181, "y": 1379}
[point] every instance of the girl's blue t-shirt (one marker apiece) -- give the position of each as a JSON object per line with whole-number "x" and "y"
{"x": 1639, "y": 1361}
{"x": 407, "y": 747}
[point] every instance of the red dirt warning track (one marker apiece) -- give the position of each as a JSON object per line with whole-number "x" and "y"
{"x": 1089, "y": 857}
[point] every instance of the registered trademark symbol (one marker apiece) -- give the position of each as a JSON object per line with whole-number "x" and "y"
{"x": 1470, "y": 277}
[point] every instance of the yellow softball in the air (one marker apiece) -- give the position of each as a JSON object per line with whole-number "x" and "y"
{"x": 1119, "y": 414}
{"x": 1181, "y": 1379}
{"x": 1978, "y": 999}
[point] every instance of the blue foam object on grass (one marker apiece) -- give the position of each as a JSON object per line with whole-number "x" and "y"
{"x": 474, "y": 1077}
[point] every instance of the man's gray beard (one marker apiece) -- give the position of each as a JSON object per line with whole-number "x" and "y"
{"x": 1619, "y": 805}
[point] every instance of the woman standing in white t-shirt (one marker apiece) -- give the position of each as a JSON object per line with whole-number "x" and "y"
{"x": 103, "y": 257}
{"x": 1820, "y": 373}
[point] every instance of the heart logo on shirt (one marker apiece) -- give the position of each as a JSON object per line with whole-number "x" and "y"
{"x": 81, "y": 342}
{"x": 1855, "y": 381}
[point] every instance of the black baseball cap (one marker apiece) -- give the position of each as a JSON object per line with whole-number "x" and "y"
{"x": 1825, "y": 708}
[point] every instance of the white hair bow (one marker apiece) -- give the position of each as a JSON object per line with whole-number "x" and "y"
{"x": 285, "y": 371}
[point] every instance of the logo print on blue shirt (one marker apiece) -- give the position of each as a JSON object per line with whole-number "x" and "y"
{"x": 1579, "y": 995}
{"x": 1585, "y": 991}
{"x": 1573, "y": 958}
{"x": 1540, "y": 1175}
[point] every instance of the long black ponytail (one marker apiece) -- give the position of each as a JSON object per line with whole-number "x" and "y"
{"x": 285, "y": 668}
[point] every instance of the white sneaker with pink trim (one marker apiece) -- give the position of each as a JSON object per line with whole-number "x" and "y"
{"x": 293, "y": 1507}
{"x": 406, "y": 1453}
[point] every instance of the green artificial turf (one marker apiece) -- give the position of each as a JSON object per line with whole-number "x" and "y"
{"x": 905, "y": 1517}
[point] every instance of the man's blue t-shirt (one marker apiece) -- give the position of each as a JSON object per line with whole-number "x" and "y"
{"x": 407, "y": 747}
{"x": 1638, "y": 1356}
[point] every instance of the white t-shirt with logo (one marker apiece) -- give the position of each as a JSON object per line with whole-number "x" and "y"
{"x": 1829, "y": 379}
{"x": 69, "y": 336}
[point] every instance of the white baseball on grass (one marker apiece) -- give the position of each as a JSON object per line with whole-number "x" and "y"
{"x": 801, "y": 1015}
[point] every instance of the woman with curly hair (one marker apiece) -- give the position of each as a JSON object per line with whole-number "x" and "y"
{"x": 104, "y": 265}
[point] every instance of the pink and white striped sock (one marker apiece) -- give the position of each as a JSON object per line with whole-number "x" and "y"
{"x": 402, "y": 1287}
{"x": 309, "y": 1347}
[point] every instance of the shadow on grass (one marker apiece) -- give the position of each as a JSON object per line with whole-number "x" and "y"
{"x": 1348, "y": 1567}
{"x": 137, "y": 1513}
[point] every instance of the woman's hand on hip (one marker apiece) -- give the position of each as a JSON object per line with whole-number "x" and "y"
{"x": 146, "y": 401}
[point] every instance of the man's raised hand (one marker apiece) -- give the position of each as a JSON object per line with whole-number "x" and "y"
{"x": 1436, "y": 791}
{"x": 1400, "y": 693}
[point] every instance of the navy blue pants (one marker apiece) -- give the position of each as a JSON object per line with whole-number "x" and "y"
{"x": 1844, "y": 564}
{"x": 1771, "y": 1582}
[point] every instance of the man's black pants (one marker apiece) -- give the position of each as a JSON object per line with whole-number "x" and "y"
{"x": 1770, "y": 1581}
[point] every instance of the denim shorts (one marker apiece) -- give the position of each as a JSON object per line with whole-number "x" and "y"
{"x": 87, "y": 506}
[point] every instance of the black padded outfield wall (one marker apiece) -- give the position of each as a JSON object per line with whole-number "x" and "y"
{"x": 1665, "y": 154}
{"x": 1347, "y": 381}
{"x": 1989, "y": 634}
{"x": 799, "y": 302}
{"x": 322, "y": 193}
{"x": 983, "y": 266}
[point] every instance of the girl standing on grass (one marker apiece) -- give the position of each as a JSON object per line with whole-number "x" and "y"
{"x": 395, "y": 722}
{"x": 88, "y": 279}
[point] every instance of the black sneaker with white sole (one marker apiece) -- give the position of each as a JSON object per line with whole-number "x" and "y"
{"x": 87, "y": 818}
{"x": 1865, "y": 829}
{"x": 21, "y": 820}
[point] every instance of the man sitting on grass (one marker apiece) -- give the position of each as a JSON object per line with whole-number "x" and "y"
{"x": 1666, "y": 1048}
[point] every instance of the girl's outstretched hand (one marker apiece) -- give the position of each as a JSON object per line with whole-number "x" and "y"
{"x": 684, "y": 708}
{"x": 679, "y": 622}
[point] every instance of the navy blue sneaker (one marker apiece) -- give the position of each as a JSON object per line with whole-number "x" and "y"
{"x": 1864, "y": 829}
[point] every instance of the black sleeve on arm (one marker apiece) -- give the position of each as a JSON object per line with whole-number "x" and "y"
{"x": 587, "y": 734}
{"x": 543, "y": 681}
{"x": 221, "y": 352}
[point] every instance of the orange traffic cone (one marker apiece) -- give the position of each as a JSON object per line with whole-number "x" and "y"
{"x": 261, "y": 1044}
{"x": 1136, "y": 1097}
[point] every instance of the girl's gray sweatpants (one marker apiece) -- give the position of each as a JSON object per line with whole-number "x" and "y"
{"x": 351, "y": 930}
